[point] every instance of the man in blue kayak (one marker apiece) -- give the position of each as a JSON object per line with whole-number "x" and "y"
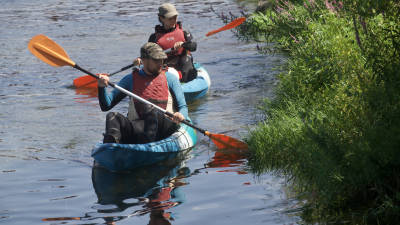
{"x": 170, "y": 35}
{"x": 152, "y": 82}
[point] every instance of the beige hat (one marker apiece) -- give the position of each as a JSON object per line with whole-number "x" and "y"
{"x": 153, "y": 51}
{"x": 167, "y": 10}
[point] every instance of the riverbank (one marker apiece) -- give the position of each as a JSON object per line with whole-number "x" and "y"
{"x": 334, "y": 126}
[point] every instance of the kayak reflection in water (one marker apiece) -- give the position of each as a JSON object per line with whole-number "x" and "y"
{"x": 154, "y": 189}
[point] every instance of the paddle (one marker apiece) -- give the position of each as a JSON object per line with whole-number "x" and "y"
{"x": 51, "y": 53}
{"x": 233, "y": 24}
{"x": 89, "y": 81}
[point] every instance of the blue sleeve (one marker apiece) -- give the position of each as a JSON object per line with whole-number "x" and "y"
{"x": 177, "y": 92}
{"x": 108, "y": 100}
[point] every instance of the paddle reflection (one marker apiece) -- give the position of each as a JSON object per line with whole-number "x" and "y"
{"x": 85, "y": 94}
{"x": 150, "y": 190}
{"x": 230, "y": 160}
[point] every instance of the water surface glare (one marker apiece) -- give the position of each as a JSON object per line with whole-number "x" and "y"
{"x": 47, "y": 128}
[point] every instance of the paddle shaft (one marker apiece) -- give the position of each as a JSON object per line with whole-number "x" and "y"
{"x": 187, "y": 122}
{"x": 122, "y": 69}
{"x": 111, "y": 74}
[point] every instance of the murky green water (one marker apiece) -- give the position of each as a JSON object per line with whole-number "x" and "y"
{"x": 47, "y": 129}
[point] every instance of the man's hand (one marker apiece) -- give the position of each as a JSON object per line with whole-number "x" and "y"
{"x": 178, "y": 45}
{"x": 103, "y": 81}
{"x": 178, "y": 117}
{"x": 137, "y": 61}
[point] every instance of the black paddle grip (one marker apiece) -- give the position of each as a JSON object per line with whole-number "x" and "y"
{"x": 126, "y": 67}
{"x": 92, "y": 74}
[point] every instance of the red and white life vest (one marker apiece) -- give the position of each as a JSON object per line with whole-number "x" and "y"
{"x": 167, "y": 40}
{"x": 152, "y": 88}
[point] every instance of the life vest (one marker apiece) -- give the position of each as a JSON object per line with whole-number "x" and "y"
{"x": 152, "y": 88}
{"x": 167, "y": 40}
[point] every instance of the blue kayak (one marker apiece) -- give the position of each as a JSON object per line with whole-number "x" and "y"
{"x": 120, "y": 157}
{"x": 198, "y": 87}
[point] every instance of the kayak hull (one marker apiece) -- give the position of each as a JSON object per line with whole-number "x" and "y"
{"x": 121, "y": 157}
{"x": 196, "y": 88}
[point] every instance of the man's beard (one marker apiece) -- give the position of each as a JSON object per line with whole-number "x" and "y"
{"x": 155, "y": 72}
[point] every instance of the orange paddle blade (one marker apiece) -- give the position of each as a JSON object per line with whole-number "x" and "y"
{"x": 48, "y": 51}
{"x": 85, "y": 82}
{"x": 226, "y": 142}
{"x": 230, "y": 25}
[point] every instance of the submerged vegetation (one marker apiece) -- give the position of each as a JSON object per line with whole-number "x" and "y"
{"x": 333, "y": 128}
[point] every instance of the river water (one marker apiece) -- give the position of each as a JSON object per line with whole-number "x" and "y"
{"x": 48, "y": 128}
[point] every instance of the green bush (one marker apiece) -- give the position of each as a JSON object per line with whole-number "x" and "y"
{"x": 334, "y": 127}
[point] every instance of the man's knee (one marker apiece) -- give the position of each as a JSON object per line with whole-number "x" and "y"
{"x": 114, "y": 116}
{"x": 111, "y": 115}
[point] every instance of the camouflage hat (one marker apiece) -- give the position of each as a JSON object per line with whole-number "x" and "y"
{"x": 167, "y": 10}
{"x": 153, "y": 51}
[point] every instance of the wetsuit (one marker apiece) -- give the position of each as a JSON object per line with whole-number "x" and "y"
{"x": 183, "y": 61}
{"x": 151, "y": 125}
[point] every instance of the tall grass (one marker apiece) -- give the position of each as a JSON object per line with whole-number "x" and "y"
{"x": 334, "y": 127}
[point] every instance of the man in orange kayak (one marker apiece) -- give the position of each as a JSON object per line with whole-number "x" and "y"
{"x": 152, "y": 82}
{"x": 170, "y": 35}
